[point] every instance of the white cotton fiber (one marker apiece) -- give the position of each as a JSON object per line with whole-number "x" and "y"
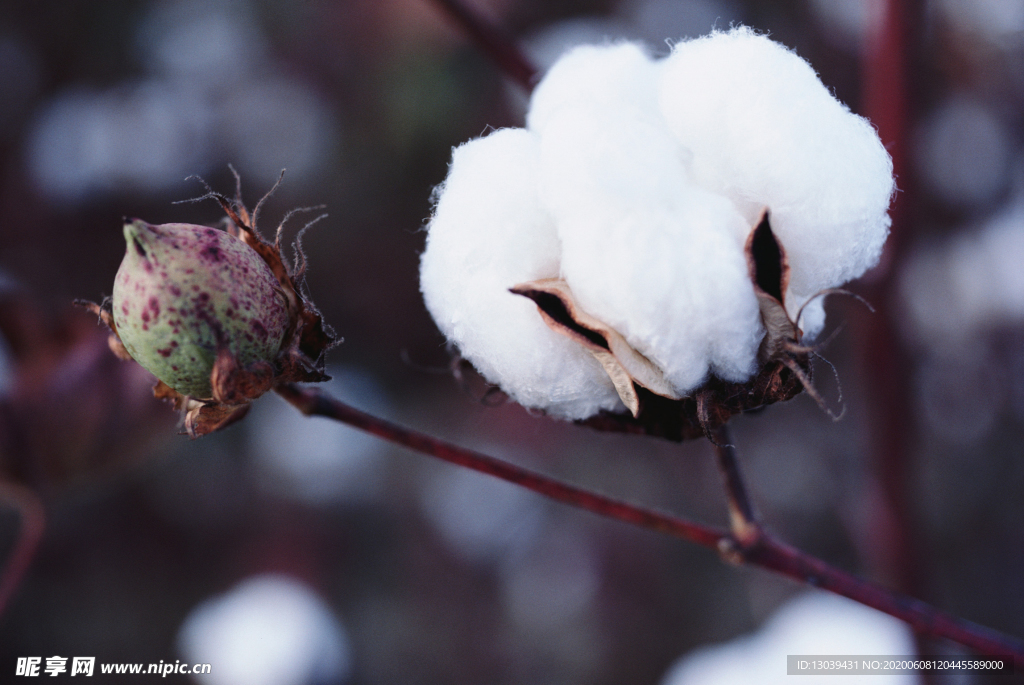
{"x": 764, "y": 131}
{"x": 637, "y": 181}
{"x": 489, "y": 233}
{"x": 616, "y": 76}
{"x": 644, "y": 251}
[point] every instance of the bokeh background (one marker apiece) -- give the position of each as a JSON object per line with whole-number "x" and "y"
{"x": 314, "y": 554}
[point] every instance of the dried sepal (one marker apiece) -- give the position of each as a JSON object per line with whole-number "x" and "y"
{"x": 626, "y": 367}
{"x": 102, "y": 310}
{"x": 203, "y": 418}
{"x": 200, "y": 417}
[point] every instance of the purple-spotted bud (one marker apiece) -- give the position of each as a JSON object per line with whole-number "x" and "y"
{"x": 184, "y": 293}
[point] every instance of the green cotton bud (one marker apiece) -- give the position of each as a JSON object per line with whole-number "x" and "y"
{"x": 185, "y": 293}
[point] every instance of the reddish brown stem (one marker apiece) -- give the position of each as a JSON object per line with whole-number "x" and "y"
{"x": 759, "y": 549}
{"x": 315, "y": 403}
{"x": 492, "y": 42}
{"x": 32, "y": 520}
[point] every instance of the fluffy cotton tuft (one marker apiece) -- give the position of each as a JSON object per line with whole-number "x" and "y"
{"x": 765, "y": 132}
{"x": 637, "y": 181}
{"x": 490, "y": 232}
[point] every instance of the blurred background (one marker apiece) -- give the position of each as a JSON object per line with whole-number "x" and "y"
{"x": 291, "y": 550}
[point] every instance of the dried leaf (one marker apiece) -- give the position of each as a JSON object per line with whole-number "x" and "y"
{"x": 623, "y": 364}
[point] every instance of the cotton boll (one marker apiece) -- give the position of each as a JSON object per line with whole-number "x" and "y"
{"x": 596, "y": 77}
{"x": 638, "y": 182}
{"x": 489, "y": 233}
{"x": 764, "y": 131}
{"x": 644, "y": 251}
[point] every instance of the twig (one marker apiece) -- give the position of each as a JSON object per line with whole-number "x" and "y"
{"x": 762, "y": 550}
{"x": 312, "y": 402}
{"x": 743, "y": 521}
{"x": 32, "y": 520}
{"x": 493, "y": 42}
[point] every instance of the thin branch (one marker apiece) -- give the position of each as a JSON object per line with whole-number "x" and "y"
{"x": 741, "y": 511}
{"x": 312, "y": 402}
{"x": 762, "y": 550}
{"x": 32, "y": 521}
{"x": 493, "y": 42}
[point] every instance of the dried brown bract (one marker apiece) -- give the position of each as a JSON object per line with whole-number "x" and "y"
{"x": 655, "y": 409}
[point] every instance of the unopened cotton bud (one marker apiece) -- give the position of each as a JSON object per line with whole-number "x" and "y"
{"x": 184, "y": 292}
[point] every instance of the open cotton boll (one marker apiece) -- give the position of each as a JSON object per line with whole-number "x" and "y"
{"x": 634, "y": 188}
{"x": 764, "y": 131}
{"x": 489, "y": 232}
{"x": 645, "y": 251}
{"x": 595, "y": 76}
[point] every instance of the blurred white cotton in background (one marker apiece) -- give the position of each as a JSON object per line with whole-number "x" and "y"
{"x": 962, "y": 151}
{"x": 996, "y": 20}
{"x": 204, "y": 42}
{"x": 481, "y": 519}
{"x": 142, "y": 137}
{"x": 955, "y": 294}
{"x": 275, "y": 123}
{"x": 551, "y": 585}
{"x": 268, "y": 630}
{"x": 318, "y": 460}
{"x": 956, "y": 290}
{"x": 663, "y": 22}
{"x": 848, "y": 23}
{"x": 209, "y": 96}
{"x": 813, "y": 623}
{"x": 20, "y": 82}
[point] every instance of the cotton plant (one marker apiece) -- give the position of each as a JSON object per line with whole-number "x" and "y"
{"x": 658, "y": 227}
{"x": 651, "y": 246}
